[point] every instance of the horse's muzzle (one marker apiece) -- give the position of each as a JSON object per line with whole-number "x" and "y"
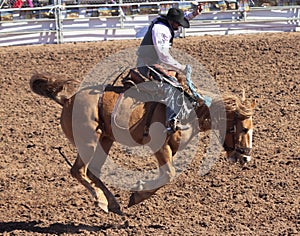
{"x": 236, "y": 156}
{"x": 244, "y": 159}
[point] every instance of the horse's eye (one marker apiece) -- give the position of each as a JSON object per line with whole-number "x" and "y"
{"x": 245, "y": 130}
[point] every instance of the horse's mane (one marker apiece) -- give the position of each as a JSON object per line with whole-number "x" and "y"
{"x": 235, "y": 104}
{"x": 232, "y": 103}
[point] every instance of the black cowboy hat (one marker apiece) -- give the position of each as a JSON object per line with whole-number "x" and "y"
{"x": 177, "y": 15}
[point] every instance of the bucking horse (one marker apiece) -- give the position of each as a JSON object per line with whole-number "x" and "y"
{"x": 91, "y": 123}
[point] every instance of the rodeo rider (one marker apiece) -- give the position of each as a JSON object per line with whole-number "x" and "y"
{"x": 154, "y": 49}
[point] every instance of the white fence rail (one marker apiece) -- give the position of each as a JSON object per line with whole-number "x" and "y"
{"x": 276, "y": 19}
{"x": 61, "y": 29}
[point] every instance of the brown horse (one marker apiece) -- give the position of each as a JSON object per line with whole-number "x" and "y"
{"x": 87, "y": 122}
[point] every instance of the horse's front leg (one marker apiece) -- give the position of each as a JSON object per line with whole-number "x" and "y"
{"x": 146, "y": 189}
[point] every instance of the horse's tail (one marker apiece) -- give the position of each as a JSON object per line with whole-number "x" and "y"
{"x": 56, "y": 89}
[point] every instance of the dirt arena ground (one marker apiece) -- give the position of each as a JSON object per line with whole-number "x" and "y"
{"x": 38, "y": 196}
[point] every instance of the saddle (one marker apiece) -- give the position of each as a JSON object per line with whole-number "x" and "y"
{"x": 158, "y": 73}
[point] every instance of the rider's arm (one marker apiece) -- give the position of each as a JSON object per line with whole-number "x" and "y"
{"x": 190, "y": 15}
{"x": 161, "y": 36}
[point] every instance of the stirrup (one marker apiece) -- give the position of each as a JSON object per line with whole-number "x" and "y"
{"x": 182, "y": 127}
{"x": 173, "y": 126}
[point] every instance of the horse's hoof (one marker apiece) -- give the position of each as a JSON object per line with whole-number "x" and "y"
{"x": 137, "y": 197}
{"x": 103, "y": 206}
{"x": 117, "y": 211}
{"x": 139, "y": 186}
{"x": 131, "y": 200}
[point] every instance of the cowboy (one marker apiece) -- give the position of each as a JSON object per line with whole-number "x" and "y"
{"x": 154, "y": 49}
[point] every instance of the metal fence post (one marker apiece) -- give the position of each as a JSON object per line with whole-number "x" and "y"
{"x": 298, "y": 17}
{"x": 58, "y": 21}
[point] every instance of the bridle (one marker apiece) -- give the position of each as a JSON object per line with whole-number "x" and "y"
{"x": 232, "y": 130}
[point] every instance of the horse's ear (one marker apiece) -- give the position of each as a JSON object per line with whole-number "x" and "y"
{"x": 34, "y": 72}
{"x": 253, "y": 104}
{"x": 243, "y": 95}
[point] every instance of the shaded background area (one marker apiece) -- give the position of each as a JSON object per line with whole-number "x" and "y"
{"x": 38, "y": 195}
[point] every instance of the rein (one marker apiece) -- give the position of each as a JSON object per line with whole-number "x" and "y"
{"x": 232, "y": 131}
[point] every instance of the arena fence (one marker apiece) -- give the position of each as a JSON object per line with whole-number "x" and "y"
{"x": 60, "y": 23}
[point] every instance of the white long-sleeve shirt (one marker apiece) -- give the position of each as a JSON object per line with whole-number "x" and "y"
{"x": 161, "y": 36}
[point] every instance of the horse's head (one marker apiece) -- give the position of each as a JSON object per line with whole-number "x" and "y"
{"x": 238, "y": 137}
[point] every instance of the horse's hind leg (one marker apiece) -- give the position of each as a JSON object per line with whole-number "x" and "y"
{"x": 79, "y": 122}
{"x": 79, "y": 171}
{"x": 113, "y": 205}
{"x": 94, "y": 171}
{"x": 167, "y": 173}
{"x": 91, "y": 155}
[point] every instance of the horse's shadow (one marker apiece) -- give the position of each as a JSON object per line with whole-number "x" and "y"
{"x": 56, "y": 228}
